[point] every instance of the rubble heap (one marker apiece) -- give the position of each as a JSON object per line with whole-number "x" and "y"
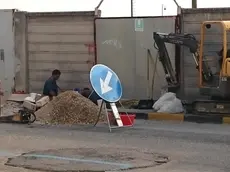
{"x": 69, "y": 108}
{"x": 10, "y": 108}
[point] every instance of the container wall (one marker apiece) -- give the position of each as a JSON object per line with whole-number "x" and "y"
{"x": 21, "y": 81}
{"x": 60, "y": 41}
{"x": 124, "y": 49}
{"x": 191, "y": 23}
{"x": 7, "y": 57}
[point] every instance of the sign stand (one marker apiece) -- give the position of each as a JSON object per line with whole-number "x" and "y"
{"x": 107, "y": 85}
{"x": 102, "y": 105}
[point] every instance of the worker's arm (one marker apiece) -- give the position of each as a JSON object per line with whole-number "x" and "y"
{"x": 60, "y": 89}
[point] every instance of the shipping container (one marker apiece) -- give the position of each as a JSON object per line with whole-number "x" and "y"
{"x": 60, "y": 40}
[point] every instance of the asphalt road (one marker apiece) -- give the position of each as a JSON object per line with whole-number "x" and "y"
{"x": 190, "y": 147}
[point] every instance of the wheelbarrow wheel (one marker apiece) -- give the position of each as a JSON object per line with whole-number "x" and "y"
{"x": 32, "y": 118}
{"x": 28, "y": 116}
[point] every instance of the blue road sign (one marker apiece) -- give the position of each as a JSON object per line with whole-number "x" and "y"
{"x": 105, "y": 83}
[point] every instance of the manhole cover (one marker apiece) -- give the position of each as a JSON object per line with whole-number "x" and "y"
{"x": 86, "y": 159}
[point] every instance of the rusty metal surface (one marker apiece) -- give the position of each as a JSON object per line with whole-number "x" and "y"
{"x": 69, "y": 13}
{"x": 60, "y": 42}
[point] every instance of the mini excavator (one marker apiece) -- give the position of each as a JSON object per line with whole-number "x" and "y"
{"x": 216, "y": 86}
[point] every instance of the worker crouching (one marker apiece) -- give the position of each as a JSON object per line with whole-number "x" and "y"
{"x": 50, "y": 87}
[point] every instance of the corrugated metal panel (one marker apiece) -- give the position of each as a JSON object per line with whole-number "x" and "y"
{"x": 191, "y": 22}
{"x": 125, "y": 51}
{"x": 60, "y": 41}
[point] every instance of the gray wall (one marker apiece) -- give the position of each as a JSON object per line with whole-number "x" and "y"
{"x": 124, "y": 50}
{"x": 7, "y": 65}
{"x": 21, "y": 81}
{"x": 191, "y": 22}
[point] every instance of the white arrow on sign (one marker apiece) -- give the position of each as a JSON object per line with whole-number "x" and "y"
{"x": 105, "y": 84}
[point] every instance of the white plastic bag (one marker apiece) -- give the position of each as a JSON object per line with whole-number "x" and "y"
{"x": 174, "y": 106}
{"x": 163, "y": 99}
{"x": 29, "y": 99}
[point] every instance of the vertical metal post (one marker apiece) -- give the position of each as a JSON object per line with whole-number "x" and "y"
{"x": 1, "y": 94}
{"x": 131, "y": 8}
{"x": 162, "y": 9}
{"x": 194, "y": 3}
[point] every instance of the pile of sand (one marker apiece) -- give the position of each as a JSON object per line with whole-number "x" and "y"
{"x": 69, "y": 108}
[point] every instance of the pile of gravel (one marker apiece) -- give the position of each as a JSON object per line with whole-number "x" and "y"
{"x": 69, "y": 107}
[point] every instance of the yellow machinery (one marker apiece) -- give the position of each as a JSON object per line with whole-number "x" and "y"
{"x": 214, "y": 85}
{"x": 217, "y": 86}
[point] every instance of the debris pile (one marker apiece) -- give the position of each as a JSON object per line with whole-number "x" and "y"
{"x": 11, "y": 107}
{"x": 69, "y": 108}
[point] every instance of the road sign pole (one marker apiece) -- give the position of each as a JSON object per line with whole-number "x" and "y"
{"x": 100, "y": 104}
{"x": 108, "y": 121}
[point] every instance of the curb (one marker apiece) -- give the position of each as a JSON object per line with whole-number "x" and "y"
{"x": 142, "y": 116}
{"x": 226, "y": 120}
{"x": 166, "y": 116}
{"x": 181, "y": 117}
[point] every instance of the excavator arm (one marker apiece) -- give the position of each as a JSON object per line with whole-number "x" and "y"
{"x": 186, "y": 40}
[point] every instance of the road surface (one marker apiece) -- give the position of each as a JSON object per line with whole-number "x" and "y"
{"x": 188, "y": 147}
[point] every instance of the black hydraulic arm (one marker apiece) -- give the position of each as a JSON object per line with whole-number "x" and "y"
{"x": 187, "y": 40}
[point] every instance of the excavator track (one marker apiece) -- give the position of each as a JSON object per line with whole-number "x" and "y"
{"x": 211, "y": 107}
